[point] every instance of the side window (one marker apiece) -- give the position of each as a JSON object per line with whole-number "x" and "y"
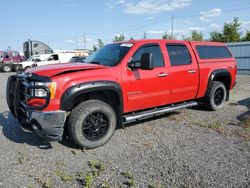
{"x": 178, "y": 54}
{"x": 56, "y": 57}
{"x": 213, "y": 52}
{"x": 53, "y": 58}
{"x": 155, "y": 50}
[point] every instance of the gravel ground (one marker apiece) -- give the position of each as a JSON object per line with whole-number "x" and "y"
{"x": 188, "y": 148}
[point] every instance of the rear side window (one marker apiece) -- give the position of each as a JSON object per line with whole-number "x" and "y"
{"x": 213, "y": 52}
{"x": 178, "y": 54}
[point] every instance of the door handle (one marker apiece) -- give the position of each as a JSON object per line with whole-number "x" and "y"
{"x": 162, "y": 74}
{"x": 192, "y": 71}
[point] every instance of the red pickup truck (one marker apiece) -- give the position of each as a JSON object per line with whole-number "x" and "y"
{"x": 121, "y": 82}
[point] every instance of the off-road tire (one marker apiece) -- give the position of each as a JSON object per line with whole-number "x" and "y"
{"x": 80, "y": 114}
{"x": 211, "y": 101}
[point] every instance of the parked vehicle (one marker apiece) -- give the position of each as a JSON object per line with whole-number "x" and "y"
{"x": 7, "y": 58}
{"x": 34, "y": 47}
{"x": 77, "y": 59}
{"x": 30, "y": 61}
{"x": 10, "y": 56}
{"x": 121, "y": 82}
{"x": 55, "y": 59}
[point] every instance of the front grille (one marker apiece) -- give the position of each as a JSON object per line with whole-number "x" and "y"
{"x": 20, "y": 90}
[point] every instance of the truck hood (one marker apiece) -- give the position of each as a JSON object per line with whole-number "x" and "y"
{"x": 56, "y": 69}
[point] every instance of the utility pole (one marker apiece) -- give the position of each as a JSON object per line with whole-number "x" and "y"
{"x": 172, "y": 26}
{"x": 145, "y": 35}
{"x": 84, "y": 41}
{"x": 75, "y": 41}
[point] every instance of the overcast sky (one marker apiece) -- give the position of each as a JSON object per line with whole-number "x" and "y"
{"x": 63, "y": 23}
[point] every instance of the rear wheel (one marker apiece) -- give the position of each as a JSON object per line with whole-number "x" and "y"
{"x": 92, "y": 123}
{"x": 216, "y": 96}
{"x": 6, "y": 68}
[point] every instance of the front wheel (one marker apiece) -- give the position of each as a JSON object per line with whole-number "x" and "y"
{"x": 6, "y": 68}
{"x": 216, "y": 96}
{"x": 92, "y": 123}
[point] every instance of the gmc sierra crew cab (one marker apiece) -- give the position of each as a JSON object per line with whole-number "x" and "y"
{"x": 121, "y": 82}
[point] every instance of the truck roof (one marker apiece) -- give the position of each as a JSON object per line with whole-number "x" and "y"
{"x": 205, "y": 51}
{"x": 169, "y": 41}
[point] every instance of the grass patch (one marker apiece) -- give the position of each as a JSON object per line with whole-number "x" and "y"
{"x": 79, "y": 174}
{"x": 105, "y": 185}
{"x": 219, "y": 127}
{"x": 130, "y": 179}
{"x": 173, "y": 116}
{"x": 246, "y": 123}
{"x": 67, "y": 178}
{"x": 64, "y": 177}
{"x": 88, "y": 180}
{"x": 45, "y": 183}
{"x": 97, "y": 167}
{"x": 155, "y": 186}
{"x": 59, "y": 164}
{"x": 21, "y": 158}
{"x": 245, "y": 132}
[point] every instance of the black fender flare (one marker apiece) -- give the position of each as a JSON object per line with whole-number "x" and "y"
{"x": 80, "y": 89}
{"x": 219, "y": 73}
{"x": 68, "y": 97}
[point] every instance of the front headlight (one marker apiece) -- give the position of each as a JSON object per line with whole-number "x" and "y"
{"x": 42, "y": 93}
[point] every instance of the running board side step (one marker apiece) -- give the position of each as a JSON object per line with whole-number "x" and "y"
{"x": 158, "y": 111}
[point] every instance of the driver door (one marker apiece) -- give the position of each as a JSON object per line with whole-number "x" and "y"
{"x": 146, "y": 88}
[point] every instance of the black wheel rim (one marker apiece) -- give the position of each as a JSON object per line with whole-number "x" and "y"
{"x": 218, "y": 96}
{"x": 95, "y": 126}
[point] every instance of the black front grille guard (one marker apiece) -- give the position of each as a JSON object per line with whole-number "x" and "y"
{"x": 19, "y": 92}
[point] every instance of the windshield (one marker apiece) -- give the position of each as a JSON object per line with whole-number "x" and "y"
{"x": 30, "y": 58}
{"x": 77, "y": 59}
{"x": 73, "y": 59}
{"x": 109, "y": 55}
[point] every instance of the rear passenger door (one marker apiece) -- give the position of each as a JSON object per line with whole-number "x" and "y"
{"x": 183, "y": 71}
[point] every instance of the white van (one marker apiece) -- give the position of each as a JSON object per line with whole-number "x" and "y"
{"x": 56, "y": 58}
{"x": 30, "y": 61}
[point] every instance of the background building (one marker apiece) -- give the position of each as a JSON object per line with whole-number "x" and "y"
{"x": 241, "y": 51}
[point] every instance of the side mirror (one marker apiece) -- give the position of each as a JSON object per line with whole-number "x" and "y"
{"x": 133, "y": 65}
{"x": 147, "y": 61}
